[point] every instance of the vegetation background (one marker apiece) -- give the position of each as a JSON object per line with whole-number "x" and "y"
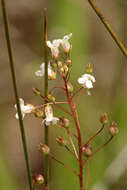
{"x": 91, "y": 44}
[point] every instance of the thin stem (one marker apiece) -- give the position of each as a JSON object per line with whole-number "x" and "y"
{"x": 63, "y": 164}
{"x": 58, "y": 106}
{"x": 87, "y": 174}
{"x": 91, "y": 138}
{"x": 51, "y": 103}
{"x": 79, "y": 95}
{"x": 11, "y": 58}
{"x": 101, "y": 147}
{"x": 46, "y": 94}
{"x": 55, "y": 88}
{"x": 72, "y": 144}
{"x": 69, "y": 150}
{"x": 76, "y": 92}
{"x": 74, "y": 135}
{"x": 108, "y": 27}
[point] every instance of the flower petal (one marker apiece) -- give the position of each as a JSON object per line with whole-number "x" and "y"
{"x": 81, "y": 80}
{"x": 67, "y": 37}
{"x": 49, "y": 44}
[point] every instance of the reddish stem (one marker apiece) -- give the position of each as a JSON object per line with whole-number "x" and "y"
{"x": 55, "y": 88}
{"x": 102, "y": 146}
{"x": 63, "y": 164}
{"x": 91, "y": 138}
{"x": 74, "y": 114}
{"x": 87, "y": 174}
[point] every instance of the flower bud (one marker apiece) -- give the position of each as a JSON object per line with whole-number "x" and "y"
{"x": 104, "y": 118}
{"x": 65, "y": 68}
{"x": 61, "y": 141}
{"x": 64, "y": 122}
{"x": 36, "y": 91}
{"x": 62, "y": 70}
{"x": 54, "y": 65}
{"x": 38, "y": 179}
{"x": 113, "y": 129}
{"x": 43, "y": 148}
{"x": 87, "y": 150}
{"x": 69, "y": 87}
{"x": 59, "y": 63}
{"x": 69, "y": 63}
{"x": 38, "y": 113}
{"x": 51, "y": 98}
{"x": 89, "y": 69}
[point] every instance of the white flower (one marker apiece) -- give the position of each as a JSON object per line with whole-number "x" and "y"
{"x": 65, "y": 43}
{"x": 41, "y": 72}
{"x": 54, "y": 46}
{"x": 50, "y": 120}
{"x": 86, "y": 80}
{"x": 25, "y": 109}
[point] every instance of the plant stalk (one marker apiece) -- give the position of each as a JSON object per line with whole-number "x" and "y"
{"x": 11, "y": 59}
{"x": 46, "y": 95}
{"x": 108, "y": 27}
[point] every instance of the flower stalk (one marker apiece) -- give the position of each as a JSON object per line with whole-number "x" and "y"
{"x": 11, "y": 59}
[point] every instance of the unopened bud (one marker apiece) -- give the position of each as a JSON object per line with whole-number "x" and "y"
{"x": 87, "y": 150}
{"x": 38, "y": 113}
{"x": 69, "y": 63}
{"x": 64, "y": 122}
{"x": 38, "y": 179}
{"x": 54, "y": 65}
{"x": 43, "y": 148}
{"x": 104, "y": 118}
{"x": 70, "y": 87}
{"x": 89, "y": 69}
{"x": 36, "y": 91}
{"x": 65, "y": 68}
{"x": 113, "y": 129}
{"x": 51, "y": 98}
{"x": 61, "y": 141}
{"x": 62, "y": 70}
{"x": 59, "y": 63}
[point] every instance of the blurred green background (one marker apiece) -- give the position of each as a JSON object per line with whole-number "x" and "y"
{"x": 91, "y": 44}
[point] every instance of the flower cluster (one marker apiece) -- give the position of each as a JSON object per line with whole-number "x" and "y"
{"x": 54, "y": 45}
{"x": 60, "y": 64}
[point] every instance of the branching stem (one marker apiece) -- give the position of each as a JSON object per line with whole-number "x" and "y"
{"x": 74, "y": 114}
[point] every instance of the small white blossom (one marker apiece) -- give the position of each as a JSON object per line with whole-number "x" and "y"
{"x": 54, "y": 46}
{"x": 65, "y": 43}
{"x": 25, "y": 109}
{"x": 41, "y": 72}
{"x": 86, "y": 80}
{"x": 50, "y": 120}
